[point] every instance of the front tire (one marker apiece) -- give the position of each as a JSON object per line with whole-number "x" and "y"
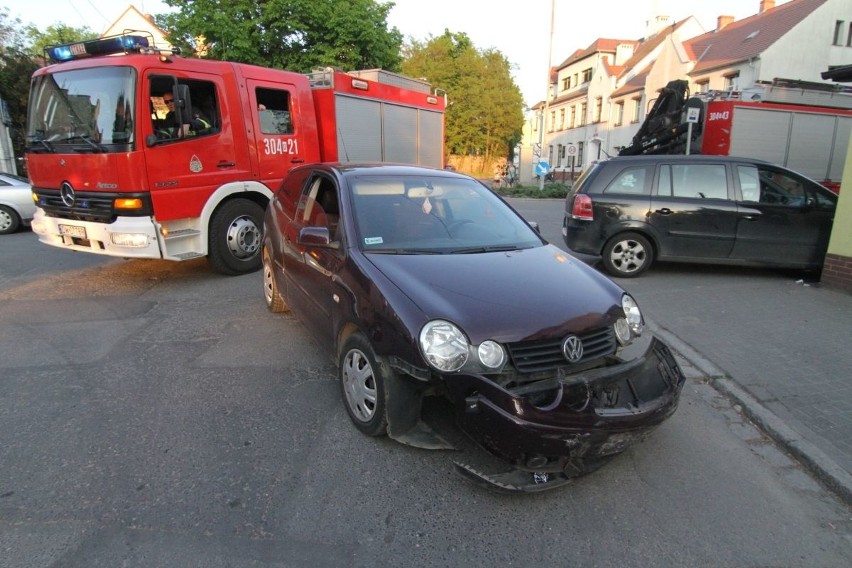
{"x": 9, "y": 220}
{"x": 627, "y": 255}
{"x": 235, "y": 237}
{"x": 363, "y": 386}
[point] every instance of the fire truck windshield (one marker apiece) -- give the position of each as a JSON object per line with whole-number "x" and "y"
{"x": 92, "y": 110}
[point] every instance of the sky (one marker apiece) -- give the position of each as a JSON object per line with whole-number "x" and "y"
{"x": 519, "y": 29}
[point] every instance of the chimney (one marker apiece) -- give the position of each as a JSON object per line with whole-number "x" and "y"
{"x": 723, "y": 21}
{"x": 766, "y": 5}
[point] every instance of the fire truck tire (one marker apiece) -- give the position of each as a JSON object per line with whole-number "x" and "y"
{"x": 236, "y": 232}
{"x": 274, "y": 300}
{"x": 9, "y": 220}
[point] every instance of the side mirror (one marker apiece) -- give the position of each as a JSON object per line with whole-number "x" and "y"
{"x": 535, "y": 226}
{"x": 183, "y": 104}
{"x": 314, "y": 236}
{"x": 151, "y": 140}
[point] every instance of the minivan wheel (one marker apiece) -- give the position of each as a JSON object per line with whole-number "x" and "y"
{"x": 627, "y": 255}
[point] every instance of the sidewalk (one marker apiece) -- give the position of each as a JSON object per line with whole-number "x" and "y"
{"x": 782, "y": 350}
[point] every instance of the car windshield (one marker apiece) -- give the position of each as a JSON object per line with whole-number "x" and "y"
{"x": 434, "y": 215}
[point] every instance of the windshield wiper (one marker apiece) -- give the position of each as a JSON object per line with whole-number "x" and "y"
{"x": 87, "y": 139}
{"x": 42, "y": 145}
{"x": 487, "y": 248}
{"x": 402, "y": 251}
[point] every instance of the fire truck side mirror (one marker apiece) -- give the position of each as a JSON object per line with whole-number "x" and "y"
{"x": 183, "y": 104}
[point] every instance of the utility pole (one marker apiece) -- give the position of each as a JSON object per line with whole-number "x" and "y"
{"x": 547, "y": 90}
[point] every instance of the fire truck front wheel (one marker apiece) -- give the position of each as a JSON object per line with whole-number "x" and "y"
{"x": 235, "y": 237}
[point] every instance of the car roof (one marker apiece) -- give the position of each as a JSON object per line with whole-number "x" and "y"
{"x": 655, "y": 158}
{"x": 382, "y": 169}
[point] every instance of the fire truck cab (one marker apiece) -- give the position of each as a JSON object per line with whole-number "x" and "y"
{"x": 147, "y": 154}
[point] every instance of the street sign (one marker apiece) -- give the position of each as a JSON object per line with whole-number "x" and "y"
{"x": 692, "y": 115}
{"x": 571, "y": 149}
{"x": 542, "y": 168}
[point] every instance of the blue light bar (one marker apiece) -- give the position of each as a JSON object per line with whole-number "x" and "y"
{"x": 103, "y": 46}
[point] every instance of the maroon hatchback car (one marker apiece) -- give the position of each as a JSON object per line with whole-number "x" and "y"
{"x": 424, "y": 282}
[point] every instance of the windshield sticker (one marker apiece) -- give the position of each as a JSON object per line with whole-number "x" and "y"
{"x": 373, "y": 241}
{"x": 195, "y": 164}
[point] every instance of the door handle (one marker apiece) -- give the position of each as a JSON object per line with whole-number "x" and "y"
{"x": 297, "y": 160}
{"x": 664, "y": 211}
{"x": 750, "y": 217}
{"x": 226, "y": 164}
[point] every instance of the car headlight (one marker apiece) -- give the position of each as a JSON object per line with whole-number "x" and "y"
{"x": 631, "y": 324}
{"x": 491, "y": 354}
{"x": 444, "y": 346}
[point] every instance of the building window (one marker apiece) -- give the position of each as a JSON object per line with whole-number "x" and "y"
{"x": 574, "y": 82}
{"x": 849, "y": 36}
{"x": 587, "y": 75}
{"x": 562, "y": 119}
{"x": 703, "y": 86}
{"x": 552, "y": 120}
{"x": 580, "y": 154}
{"x": 838, "y": 32}
{"x": 559, "y": 152}
{"x": 636, "y": 109}
{"x": 573, "y": 121}
{"x": 550, "y": 154}
{"x": 566, "y": 83}
{"x": 619, "y": 113}
{"x": 582, "y": 114}
{"x": 732, "y": 82}
{"x": 598, "y": 109}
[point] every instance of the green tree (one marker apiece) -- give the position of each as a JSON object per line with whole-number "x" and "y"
{"x": 16, "y": 67}
{"x": 298, "y": 35}
{"x": 56, "y": 34}
{"x": 485, "y": 113}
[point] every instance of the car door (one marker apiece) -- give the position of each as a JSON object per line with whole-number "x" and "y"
{"x": 784, "y": 218}
{"x": 309, "y": 269}
{"x": 693, "y": 211}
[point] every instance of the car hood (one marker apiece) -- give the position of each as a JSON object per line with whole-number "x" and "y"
{"x": 506, "y": 296}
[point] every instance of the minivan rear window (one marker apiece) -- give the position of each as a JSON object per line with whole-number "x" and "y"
{"x": 631, "y": 181}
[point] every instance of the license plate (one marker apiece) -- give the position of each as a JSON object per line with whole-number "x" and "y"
{"x": 72, "y": 231}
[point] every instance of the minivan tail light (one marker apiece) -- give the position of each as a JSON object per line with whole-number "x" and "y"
{"x": 582, "y": 208}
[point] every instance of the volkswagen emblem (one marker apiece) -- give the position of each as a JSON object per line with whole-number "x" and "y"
{"x": 66, "y": 192}
{"x": 572, "y": 348}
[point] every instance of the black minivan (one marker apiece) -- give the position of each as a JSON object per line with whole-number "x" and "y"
{"x": 629, "y": 211}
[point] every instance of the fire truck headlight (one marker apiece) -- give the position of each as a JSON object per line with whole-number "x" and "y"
{"x": 133, "y": 240}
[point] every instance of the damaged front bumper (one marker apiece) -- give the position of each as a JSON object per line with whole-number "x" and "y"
{"x": 553, "y": 430}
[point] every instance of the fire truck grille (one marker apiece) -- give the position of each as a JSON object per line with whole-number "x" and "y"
{"x": 90, "y": 206}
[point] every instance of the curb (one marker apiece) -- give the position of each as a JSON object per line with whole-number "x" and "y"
{"x": 820, "y": 464}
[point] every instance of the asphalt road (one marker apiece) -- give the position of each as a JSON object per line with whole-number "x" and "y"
{"x": 155, "y": 414}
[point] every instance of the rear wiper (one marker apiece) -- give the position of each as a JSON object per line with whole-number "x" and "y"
{"x": 87, "y": 139}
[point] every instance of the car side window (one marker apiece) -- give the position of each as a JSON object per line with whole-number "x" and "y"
{"x": 779, "y": 188}
{"x": 631, "y": 181}
{"x": 290, "y": 191}
{"x": 749, "y": 183}
{"x": 319, "y": 206}
{"x": 697, "y": 181}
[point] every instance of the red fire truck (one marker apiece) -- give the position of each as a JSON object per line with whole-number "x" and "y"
{"x": 803, "y": 126}
{"x": 139, "y": 153}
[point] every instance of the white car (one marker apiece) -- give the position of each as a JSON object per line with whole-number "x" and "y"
{"x": 16, "y": 203}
